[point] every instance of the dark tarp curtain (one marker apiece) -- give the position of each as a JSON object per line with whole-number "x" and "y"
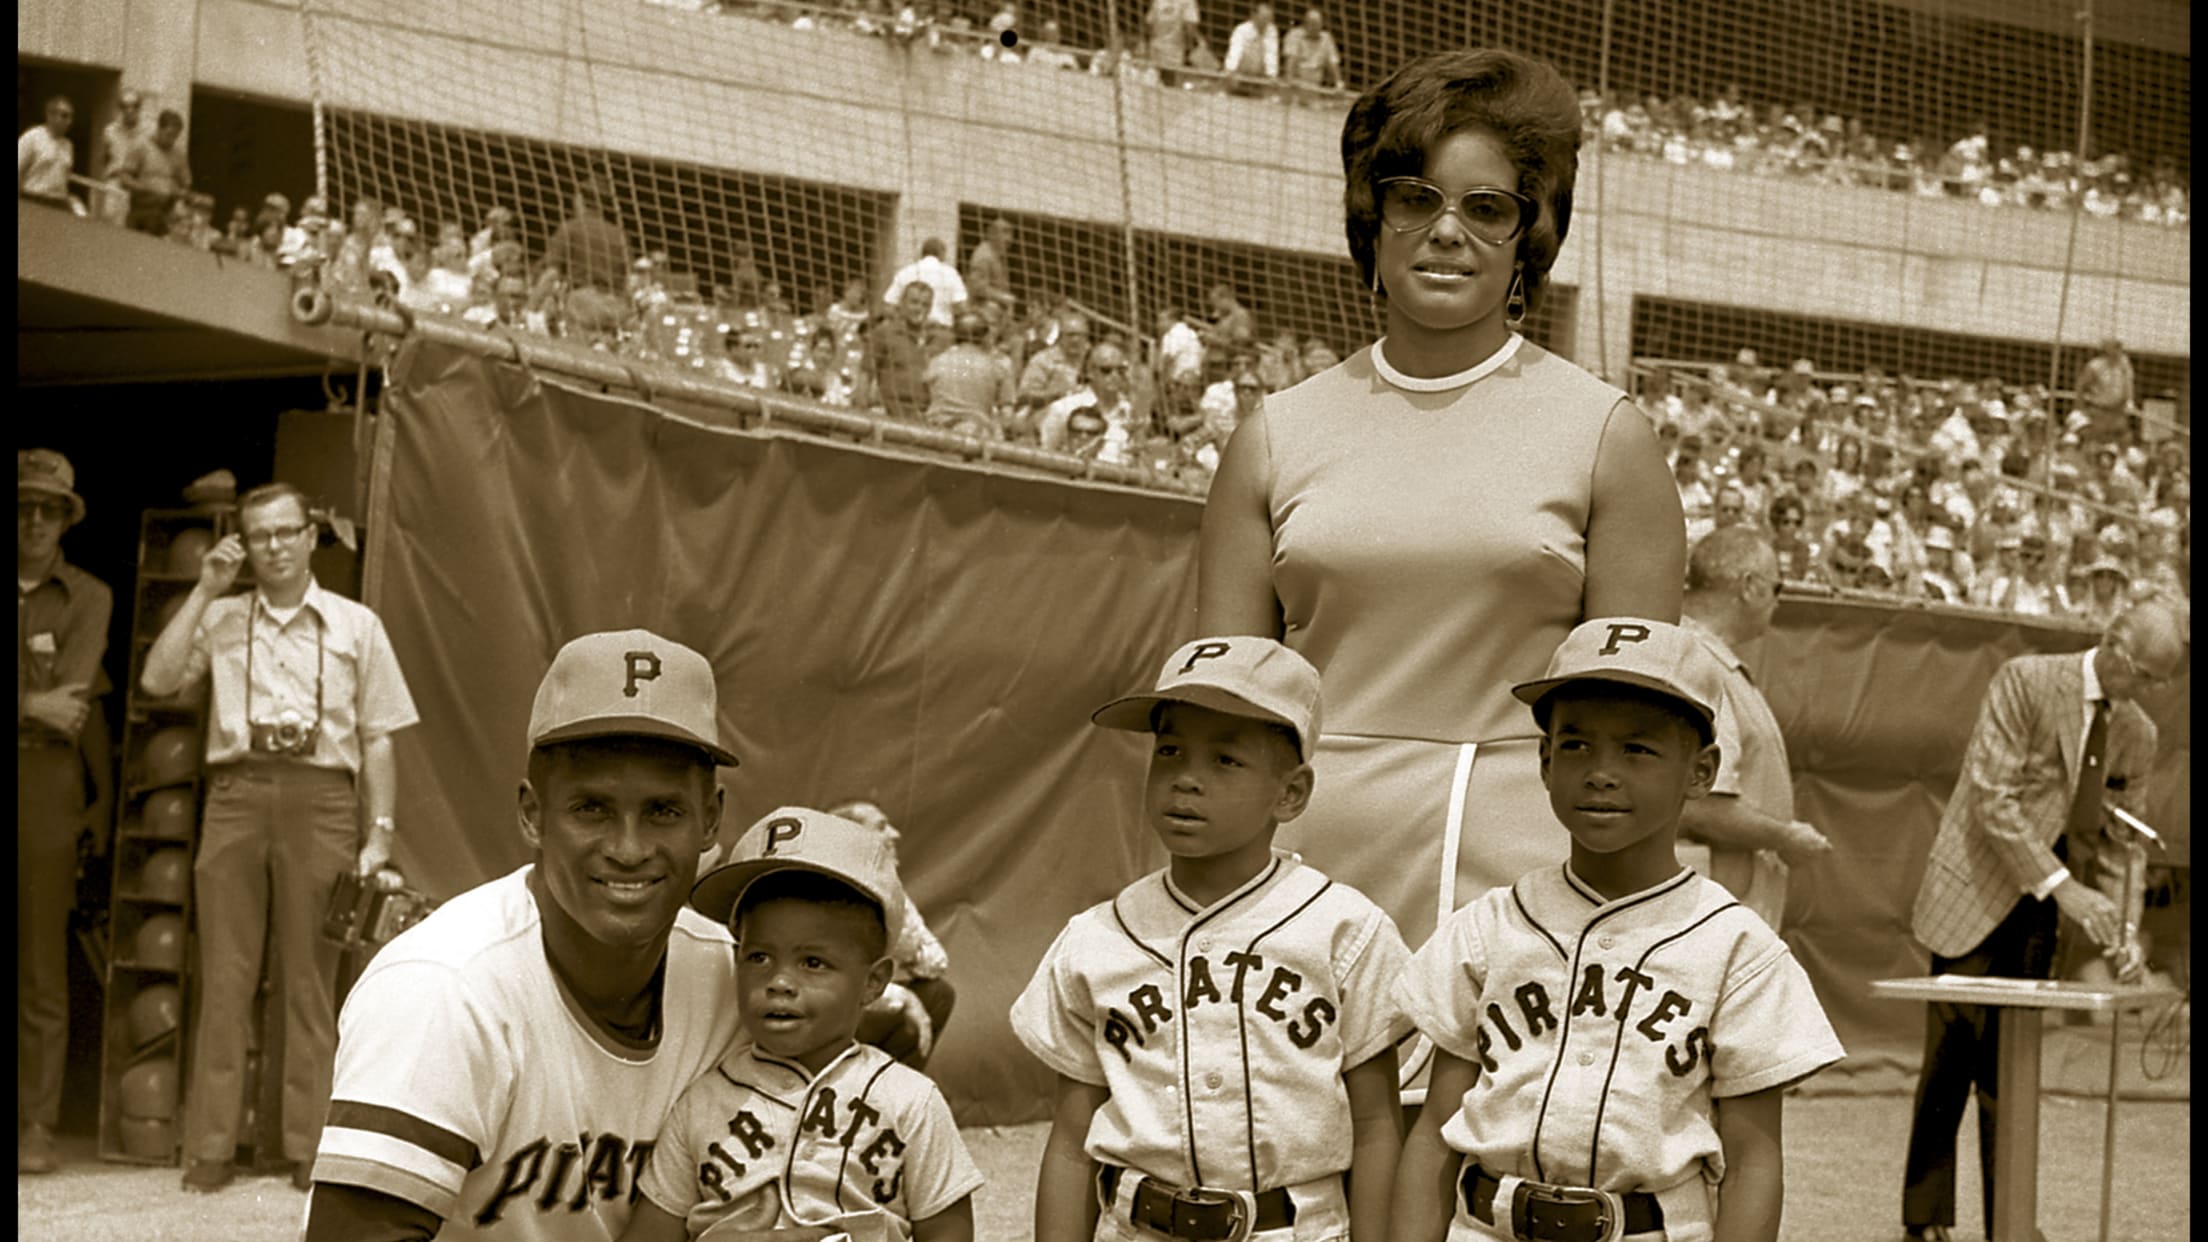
{"x": 932, "y": 636}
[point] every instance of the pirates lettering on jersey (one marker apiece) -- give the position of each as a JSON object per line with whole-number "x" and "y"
{"x": 856, "y": 1127}
{"x": 565, "y": 1177}
{"x": 1532, "y": 1016}
{"x": 1146, "y": 1011}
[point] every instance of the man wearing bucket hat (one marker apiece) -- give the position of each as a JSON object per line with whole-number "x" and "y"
{"x": 504, "y": 1065}
{"x": 61, "y": 779}
{"x": 814, "y": 904}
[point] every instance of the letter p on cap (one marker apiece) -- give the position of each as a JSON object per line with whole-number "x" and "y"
{"x": 1205, "y": 651}
{"x": 643, "y": 666}
{"x": 780, "y": 832}
{"x": 1623, "y": 632}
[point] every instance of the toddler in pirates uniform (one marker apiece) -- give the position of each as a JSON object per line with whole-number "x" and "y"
{"x": 1222, "y": 1029}
{"x": 1614, "y": 1034}
{"x": 801, "y": 1133}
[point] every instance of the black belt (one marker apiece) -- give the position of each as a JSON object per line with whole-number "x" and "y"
{"x": 1544, "y": 1213}
{"x": 1197, "y": 1215}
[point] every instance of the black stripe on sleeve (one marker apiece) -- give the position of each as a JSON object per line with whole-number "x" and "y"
{"x": 407, "y": 1128}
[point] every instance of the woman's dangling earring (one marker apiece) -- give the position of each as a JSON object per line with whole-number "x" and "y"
{"x": 1376, "y": 280}
{"x": 1515, "y": 308}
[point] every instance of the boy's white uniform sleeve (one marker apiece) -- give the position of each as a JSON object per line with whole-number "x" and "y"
{"x": 1372, "y": 1019}
{"x": 1769, "y": 1029}
{"x": 1440, "y": 990}
{"x": 422, "y": 1080}
{"x": 670, "y": 1177}
{"x": 1053, "y": 1013}
{"x": 939, "y": 1171}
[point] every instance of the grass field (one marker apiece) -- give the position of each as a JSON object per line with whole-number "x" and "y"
{"x": 1844, "y": 1156}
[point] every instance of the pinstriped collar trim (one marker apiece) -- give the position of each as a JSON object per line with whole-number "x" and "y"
{"x": 1443, "y": 383}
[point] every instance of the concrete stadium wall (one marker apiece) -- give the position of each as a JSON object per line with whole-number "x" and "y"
{"x": 939, "y": 129}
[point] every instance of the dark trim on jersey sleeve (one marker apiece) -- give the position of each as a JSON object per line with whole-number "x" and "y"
{"x": 340, "y": 1213}
{"x": 407, "y": 1128}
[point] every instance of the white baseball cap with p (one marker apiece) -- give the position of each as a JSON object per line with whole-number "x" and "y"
{"x": 628, "y": 683}
{"x": 796, "y": 838}
{"x": 1633, "y": 651}
{"x": 1241, "y": 675}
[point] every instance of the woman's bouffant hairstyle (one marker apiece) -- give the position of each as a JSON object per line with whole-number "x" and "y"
{"x": 1523, "y": 101}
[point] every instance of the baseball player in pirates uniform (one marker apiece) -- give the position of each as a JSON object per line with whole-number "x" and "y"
{"x": 504, "y": 1066}
{"x": 1222, "y": 1029}
{"x": 1613, "y": 1034}
{"x": 800, "y": 1125}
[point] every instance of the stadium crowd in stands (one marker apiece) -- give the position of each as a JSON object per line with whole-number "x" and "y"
{"x": 1302, "y": 64}
{"x": 1967, "y": 492}
{"x": 1980, "y": 493}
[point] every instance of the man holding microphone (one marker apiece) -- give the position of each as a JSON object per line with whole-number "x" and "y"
{"x": 306, "y": 694}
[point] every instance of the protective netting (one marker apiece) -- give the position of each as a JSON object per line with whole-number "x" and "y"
{"x": 1943, "y": 206}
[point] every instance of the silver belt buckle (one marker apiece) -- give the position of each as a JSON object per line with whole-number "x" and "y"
{"x": 1242, "y": 1216}
{"x": 1609, "y": 1213}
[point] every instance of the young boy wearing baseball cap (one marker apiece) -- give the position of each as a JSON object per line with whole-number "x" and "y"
{"x": 802, "y": 1133}
{"x": 1612, "y": 1035}
{"x": 1222, "y": 1030}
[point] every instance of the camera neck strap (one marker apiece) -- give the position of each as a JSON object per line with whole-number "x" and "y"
{"x": 252, "y": 616}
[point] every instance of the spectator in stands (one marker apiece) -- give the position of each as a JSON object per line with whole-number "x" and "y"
{"x": 1799, "y": 557}
{"x": 1280, "y": 362}
{"x": 498, "y": 227}
{"x": 848, "y": 315}
{"x": 1232, "y": 325}
{"x": 1253, "y": 50}
{"x": 988, "y": 279}
{"x": 45, "y": 156}
{"x": 970, "y": 387}
{"x": 1731, "y": 507}
{"x": 2108, "y": 395}
{"x": 2106, "y": 596}
{"x": 1319, "y": 356}
{"x": 1748, "y": 475}
{"x": 1175, "y": 30}
{"x": 947, "y": 290}
{"x": 508, "y": 307}
{"x": 1695, "y": 498}
{"x": 1096, "y": 420}
{"x": 746, "y": 360}
{"x": 897, "y": 355}
{"x": 1308, "y": 54}
{"x": 128, "y": 129}
{"x": 1944, "y": 580}
{"x": 157, "y": 175}
{"x": 1055, "y": 370}
{"x": 1180, "y": 361}
{"x": 594, "y": 254}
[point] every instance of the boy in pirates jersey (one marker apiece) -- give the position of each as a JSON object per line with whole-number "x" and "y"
{"x": 1222, "y": 1029}
{"x": 801, "y": 1133}
{"x": 1613, "y": 1035}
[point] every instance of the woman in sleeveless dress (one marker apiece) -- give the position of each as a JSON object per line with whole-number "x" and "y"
{"x": 1428, "y": 519}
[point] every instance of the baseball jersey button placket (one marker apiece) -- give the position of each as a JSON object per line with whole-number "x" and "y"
{"x": 1214, "y": 1079}
{"x": 1605, "y": 942}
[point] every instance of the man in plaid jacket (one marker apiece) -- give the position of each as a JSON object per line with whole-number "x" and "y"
{"x": 2026, "y": 809}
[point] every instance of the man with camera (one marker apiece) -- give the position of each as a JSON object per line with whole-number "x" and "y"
{"x": 305, "y": 695}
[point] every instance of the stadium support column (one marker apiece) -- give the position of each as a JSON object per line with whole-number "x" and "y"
{"x": 160, "y": 55}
